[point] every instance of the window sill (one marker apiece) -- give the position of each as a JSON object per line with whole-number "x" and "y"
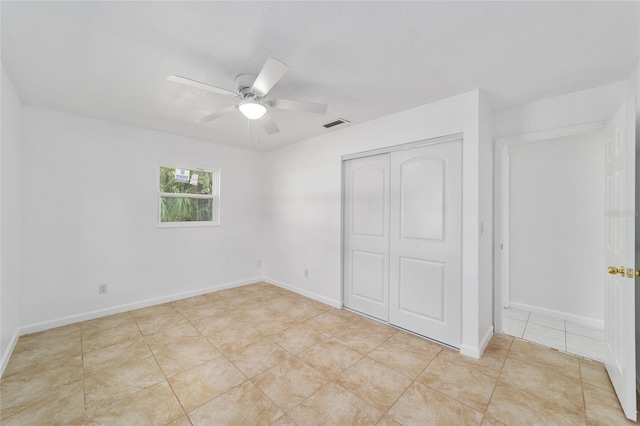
{"x": 186, "y": 224}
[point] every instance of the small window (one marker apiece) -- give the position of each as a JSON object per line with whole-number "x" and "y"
{"x": 188, "y": 197}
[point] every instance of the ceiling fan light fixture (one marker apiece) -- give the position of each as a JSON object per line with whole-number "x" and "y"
{"x": 252, "y": 109}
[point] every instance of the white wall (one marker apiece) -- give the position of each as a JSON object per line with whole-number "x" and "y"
{"x": 10, "y": 215}
{"x": 587, "y": 106}
{"x": 303, "y": 201}
{"x": 556, "y": 227}
{"x": 90, "y": 212}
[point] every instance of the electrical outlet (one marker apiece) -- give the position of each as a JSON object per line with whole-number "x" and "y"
{"x": 306, "y": 272}
{"x": 102, "y": 289}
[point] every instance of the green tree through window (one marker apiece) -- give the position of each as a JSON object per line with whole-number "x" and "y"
{"x": 187, "y": 195}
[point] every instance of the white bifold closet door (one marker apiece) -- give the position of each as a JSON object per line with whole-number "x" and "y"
{"x": 366, "y": 228}
{"x": 426, "y": 241}
{"x": 402, "y": 248}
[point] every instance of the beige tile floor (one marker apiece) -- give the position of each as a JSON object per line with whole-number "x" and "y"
{"x": 262, "y": 355}
{"x": 566, "y": 336}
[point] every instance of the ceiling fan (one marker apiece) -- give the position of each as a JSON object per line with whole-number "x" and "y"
{"x": 251, "y": 91}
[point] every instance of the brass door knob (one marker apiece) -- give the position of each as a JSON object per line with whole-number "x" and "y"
{"x": 614, "y": 270}
{"x": 631, "y": 273}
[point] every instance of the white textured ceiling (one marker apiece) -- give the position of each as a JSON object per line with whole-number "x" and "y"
{"x": 364, "y": 59}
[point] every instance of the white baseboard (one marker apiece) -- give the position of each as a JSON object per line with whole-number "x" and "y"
{"x": 474, "y": 352}
{"x": 486, "y": 339}
{"x": 306, "y": 293}
{"x": 469, "y": 351}
{"x": 7, "y": 353}
{"x": 588, "y": 322}
{"x": 85, "y": 316}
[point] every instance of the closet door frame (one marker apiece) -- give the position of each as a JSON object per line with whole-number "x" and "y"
{"x": 384, "y": 150}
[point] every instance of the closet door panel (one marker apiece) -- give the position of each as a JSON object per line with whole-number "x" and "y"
{"x": 426, "y": 240}
{"x": 366, "y": 235}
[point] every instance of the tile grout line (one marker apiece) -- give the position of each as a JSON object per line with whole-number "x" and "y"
{"x": 479, "y": 372}
{"x": 332, "y": 379}
{"x": 484, "y": 415}
{"x": 222, "y": 354}
{"x": 166, "y": 379}
{"x": 141, "y": 390}
{"x": 262, "y": 335}
{"x": 84, "y": 388}
{"x": 404, "y": 391}
{"x": 87, "y": 412}
{"x": 163, "y": 372}
{"x": 411, "y": 384}
{"x": 528, "y": 392}
{"x": 584, "y": 399}
{"x": 566, "y": 334}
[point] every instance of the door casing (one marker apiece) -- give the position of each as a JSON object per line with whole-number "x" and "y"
{"x": 501, "y": 207}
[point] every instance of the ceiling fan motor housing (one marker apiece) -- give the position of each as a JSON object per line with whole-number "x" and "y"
{"x": 244, "y": 83}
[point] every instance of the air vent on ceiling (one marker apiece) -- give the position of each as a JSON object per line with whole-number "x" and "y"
{"x": 335, "y": 123}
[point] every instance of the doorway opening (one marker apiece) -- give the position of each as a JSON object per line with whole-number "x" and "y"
{"x": 553, "y": 222}
{"x": 557, "y": 256}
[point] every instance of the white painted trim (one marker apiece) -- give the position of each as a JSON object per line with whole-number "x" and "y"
{"x": 192, "y": 224}
{"x": 506, "y": 226}
{"x": 215, "y": 196}
{"x": 484, "y": 342}
{"x": 403, "y": 146}
{"x": 72, "y": 319}
{"x": 551, "y": 134}
{"x": 343, "y": 165}
{"x": 7, "y": 353}
{"x": 498, "y": 251}
{"x": 474, "y": 352}
{"x": 470, "y": 351}
{"x": 578, "y": 319}
{"x": 331, "y": 302}
{"x": 85, "y": 316}
{"x": 501, "y": 206}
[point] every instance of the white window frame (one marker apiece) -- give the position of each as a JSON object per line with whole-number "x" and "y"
{"x": 215, "y": 196}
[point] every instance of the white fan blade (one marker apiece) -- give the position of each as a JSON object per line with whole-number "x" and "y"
{"x": 199, "y": 85}
{"x": 268, "y": 123}
{"x": 299, "y": 106}
{"x": 219, "y": 114}
{"x": 271, "y": 73}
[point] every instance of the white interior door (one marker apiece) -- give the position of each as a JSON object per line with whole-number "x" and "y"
{"x": 366, "y": 235}
{"x": 619, "y": 316}
{"x": 426, "y": 239}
